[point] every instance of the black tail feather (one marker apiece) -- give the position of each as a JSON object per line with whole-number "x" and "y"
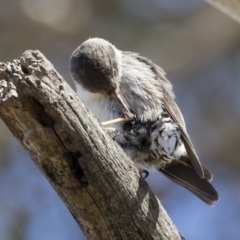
{"x": 187, "y": 177}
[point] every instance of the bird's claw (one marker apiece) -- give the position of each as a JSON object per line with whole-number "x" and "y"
{"x": 117, "y": 133}
{"x": 142, "y": 172}
{"x": 112, "y": 130}
{"x": 128, "y": 115}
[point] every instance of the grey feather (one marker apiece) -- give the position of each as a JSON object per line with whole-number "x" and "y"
{"x": 185, "y": 176}
{"x": 157, "y": 137}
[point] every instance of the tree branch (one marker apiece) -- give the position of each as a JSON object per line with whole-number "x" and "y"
{"x": 90, "y": 172}
{"x": 229, "y": 7}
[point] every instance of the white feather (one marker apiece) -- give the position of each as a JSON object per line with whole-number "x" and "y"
{"x": 97, "y": 103}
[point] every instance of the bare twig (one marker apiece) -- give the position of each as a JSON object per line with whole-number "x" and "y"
{"x": 229, "y": 7}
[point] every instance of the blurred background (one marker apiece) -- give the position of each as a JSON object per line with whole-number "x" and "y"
{"x": 198, "y": 47}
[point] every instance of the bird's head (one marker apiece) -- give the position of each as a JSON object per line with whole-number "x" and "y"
{"x": 96, "y": 65}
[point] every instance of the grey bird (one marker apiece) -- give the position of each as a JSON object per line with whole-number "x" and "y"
{"x": 115, "y": 84}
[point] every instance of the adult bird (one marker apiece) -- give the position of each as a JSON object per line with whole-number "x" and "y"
{"x": 115, "y": 84}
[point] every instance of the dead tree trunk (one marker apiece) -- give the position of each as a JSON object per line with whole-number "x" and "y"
{"x": 90, "y": 172}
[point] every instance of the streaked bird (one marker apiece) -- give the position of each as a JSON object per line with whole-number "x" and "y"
{"x": 115, "y": 84}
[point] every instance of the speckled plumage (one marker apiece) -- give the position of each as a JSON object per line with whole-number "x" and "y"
{"x": 157, "y": 137}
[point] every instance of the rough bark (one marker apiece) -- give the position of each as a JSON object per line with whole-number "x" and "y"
{"x": 229, "y": 7}
{"x": 90, "y": 172}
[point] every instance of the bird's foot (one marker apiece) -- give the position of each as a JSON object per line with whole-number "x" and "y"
{"x": 112, "y": 130}
{"x": 128, "y": 115}
{"x": 144, "y": 173}
{"x": 117, "y": 120}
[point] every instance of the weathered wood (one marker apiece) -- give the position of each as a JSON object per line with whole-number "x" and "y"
{"x": 229, "y": 7}
{"x": 90, "y": 172}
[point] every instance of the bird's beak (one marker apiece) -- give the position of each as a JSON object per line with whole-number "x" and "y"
{"x": 117, "y": 94}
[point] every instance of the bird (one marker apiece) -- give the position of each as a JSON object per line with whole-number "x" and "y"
{"x": 133, "y": 94}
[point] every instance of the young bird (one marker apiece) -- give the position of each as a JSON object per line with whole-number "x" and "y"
{"x": 115, "y": 84}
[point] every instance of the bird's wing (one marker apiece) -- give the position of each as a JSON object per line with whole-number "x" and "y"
{"x": 173, "y": 110}
{"x": 175, "y": 114}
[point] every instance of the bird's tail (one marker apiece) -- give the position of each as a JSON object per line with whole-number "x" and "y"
{"x": 185, "y": 175}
